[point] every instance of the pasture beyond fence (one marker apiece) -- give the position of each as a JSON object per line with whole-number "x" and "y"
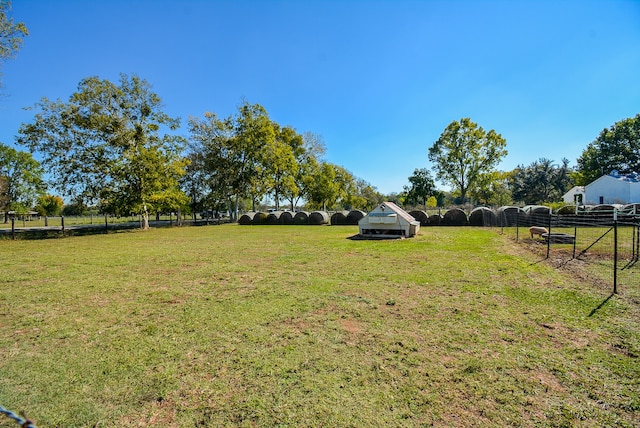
{"x": 606, "y": 239}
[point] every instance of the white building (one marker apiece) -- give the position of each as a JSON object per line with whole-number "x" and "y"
{"x": 613, "y": 189}
{"x": 574, "y": 196}
{"x": 388, "y": 220}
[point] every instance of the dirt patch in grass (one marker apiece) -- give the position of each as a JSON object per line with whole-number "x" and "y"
{"x": 352, "y": 327}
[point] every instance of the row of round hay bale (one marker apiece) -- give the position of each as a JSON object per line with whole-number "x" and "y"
{"x": 339, "y": 218}
{"x": 454, "y": 217}
{"x": 420, "y": 216}
{"x": 278, "y": 217}
{"x": 318, "y": 218}
{"x": 482, "y": 216}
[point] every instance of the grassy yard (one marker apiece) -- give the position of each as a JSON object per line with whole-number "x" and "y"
{"x": 300, "y": 326}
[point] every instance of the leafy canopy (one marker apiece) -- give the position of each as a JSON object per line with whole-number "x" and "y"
{"x": 464, "y": 152}
{"x": 541, "y": 182}
{"x": 233, "y": 153}
{"x": 11, "y": 33}
{"x": 21, "y": 179}
{"x": 616, "y": 148}
{"x": 421, "y": 187}
{"x": 107, "y": 144}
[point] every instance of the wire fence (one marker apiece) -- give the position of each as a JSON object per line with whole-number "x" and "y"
{"x": 37, "y": 227}
{"x": 605, "y": 242}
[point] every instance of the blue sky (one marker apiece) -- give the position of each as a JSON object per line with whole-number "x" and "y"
{"x": 379, "y": 80}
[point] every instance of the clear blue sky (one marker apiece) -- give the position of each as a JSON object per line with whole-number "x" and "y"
{"x": 379, "y": 80}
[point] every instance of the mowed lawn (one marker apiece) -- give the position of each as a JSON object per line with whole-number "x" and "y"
{"x": 299, "y": 326}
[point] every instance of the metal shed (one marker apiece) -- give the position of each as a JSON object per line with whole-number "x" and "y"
{"x": 388, "y": 220}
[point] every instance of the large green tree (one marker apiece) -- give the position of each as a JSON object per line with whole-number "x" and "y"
{"x": 21, "y": 181}
{"x": 281, "y": 162}
{"x": 362, "y": 195}
{"x": 11, "y": 33}
{"x": 108, "y": 144}
{"x": 493, "y": 188}
{"x": 464, "y": 152}
{"x": 616, "y": 148}
{"x": 234, "y": 152}
{"x": 541, "y": 182}
{"x": 308, "y": 159}
{"x": 420, "y": 188}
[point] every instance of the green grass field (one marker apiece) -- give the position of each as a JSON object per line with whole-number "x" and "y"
{"x": 299, "y": 326}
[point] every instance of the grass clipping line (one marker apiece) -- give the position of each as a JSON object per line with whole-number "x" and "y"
{"x": 299, "y": 326}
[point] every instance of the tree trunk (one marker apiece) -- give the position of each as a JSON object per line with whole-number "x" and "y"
{"x": 145, "y": 217}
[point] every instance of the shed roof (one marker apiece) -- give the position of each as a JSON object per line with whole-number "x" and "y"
{"x": 399, "y": 211}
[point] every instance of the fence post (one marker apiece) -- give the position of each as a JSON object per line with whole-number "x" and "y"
{"x": 615, "y": 251}
{"x": 13, "y": 228}
{"x": 575, "y": 238}
{"x": 549, "y": 235}
{"x": 106, "y": 224}
{"x": 62, "y": 222}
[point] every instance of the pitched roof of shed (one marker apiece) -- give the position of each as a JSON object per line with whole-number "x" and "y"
{"x": 399, "y": 211}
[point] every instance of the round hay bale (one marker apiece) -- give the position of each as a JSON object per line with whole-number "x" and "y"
{"x": 259, "y": 218}
{"x": 420, "y": 216}
{"x": 339, "y": 218}
{"x": 482, "y": 216}
{"x": 566, "y": 210}
{"x": 538, "y": 215}
{"x": 454, "y": 217}
{"x": 435, "y": 220}
{"x": 631, "y": 208}
{"x": 286, "y": 217}
{"x": 600, "y": 208}
{"x": 246, "y": 218}
{"x": 301, "y": 217}
{"x": 317, "y": 218}
{"x": 354, "y": 217}
{"x": 602, "y": 212}
{"x": 273, "y": 218}
{"x": 511, "y": 216}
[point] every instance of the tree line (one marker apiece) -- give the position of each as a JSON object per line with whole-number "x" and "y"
{"x": 110, "y": 146}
